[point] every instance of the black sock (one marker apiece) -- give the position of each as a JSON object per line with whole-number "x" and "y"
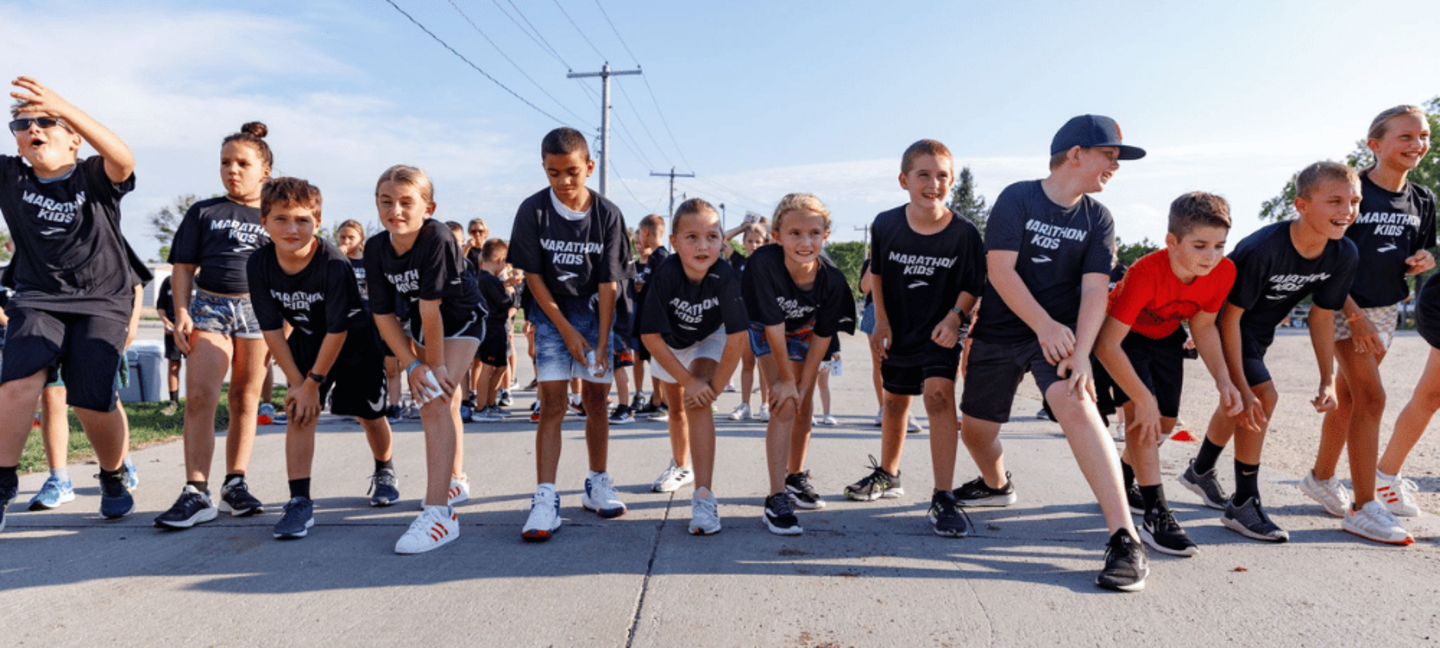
{"x": 1128, "y": 473}
{"x": 1208, "y": 455}
{"x": 1154, "y": 497}
{"x": 9, "y": 479}
{"x": 300, "y": 488}
{"x": 200, "y": 486}
{"x": 175, "y": 397}
{"x": 382, "y": 465}
{"x": 233, "y": 476}
{"x": 1247, "y": 482}
{"x": 109, "y": 474}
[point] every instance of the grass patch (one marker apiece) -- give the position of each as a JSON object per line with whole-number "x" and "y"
{"x": 149, "y": 424}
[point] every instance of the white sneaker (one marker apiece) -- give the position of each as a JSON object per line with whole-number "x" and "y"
{"x": 1398, "y": 494}
{"x": 829, "y": 420}
{"x": 729, "y": 387}
{"x": 673, "y": 478}
{"x": 599, "y": 496}
{"x": 435, "y": 526}
{"x": 764, "y": 412}
{"x": 911, "y": 425}
{"x": 741, "y": 412}
{"x": 544, "y": 518}
{"x": 1331, "y": 494}
{"x": 459, "y": 490}
{"x": 704, "y": 513}
{"x": 1374, "y": 522}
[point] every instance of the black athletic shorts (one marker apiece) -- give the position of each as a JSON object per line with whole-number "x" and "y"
{"x": 1252, "y": 360}
{"x": 1161, "y": 366}
{"x": 994, "y": 371}
{"x": 910, "y": 380}
{"x": 623, "y": 355}
{"x": 494, "y": 350}
{"x": 86, "y": 347}
{"x": 357, "y": 378}
{"x": 172, "y": 352}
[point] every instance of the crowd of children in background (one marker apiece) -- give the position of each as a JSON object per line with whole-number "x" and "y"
{"x": 427, "y": 308}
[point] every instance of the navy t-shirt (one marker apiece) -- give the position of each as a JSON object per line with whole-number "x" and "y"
{"x": 636, "y": 286}
{"x": 165, "y": 300}
{"x": 498, "y": 300}
{"x": 218, "y": 235}
{"x": 921, "y": 277}
{"x": 1391, "y": 227}
{"x": 1056, "y": 245}
{"x": 685, "y": 312}
{"x": 70, "y": 255}
{"x": 574, "y": 257}
{"x": 322, "y": 298}
{"x": 1271, "y": 278}
{"x": 771, "y": 296}
{"x": 432, "y": 269}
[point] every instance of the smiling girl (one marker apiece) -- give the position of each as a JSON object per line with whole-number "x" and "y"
{"x": 797, "y": 301}
{"x": 416, "y": 260}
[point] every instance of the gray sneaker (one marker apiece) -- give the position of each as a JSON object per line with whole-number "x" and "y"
{"x": 1206, "y": 485}
{"x": 1250, "y": 521}
{"x": 384, "y": 487}
{"x": 298, "y": 518}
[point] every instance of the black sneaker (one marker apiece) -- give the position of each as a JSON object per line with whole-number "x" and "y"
{"x": 661, "y": 413}
{"x": 977, "y": 493}
{"x": 637, "y": 403}
{"x": 797, "y": 486}
{"x": 1162, "y": 533}
{"x": 504, "y": 399}
{"x": 1206, "y": 485}
{"x": 1250, "y": 521}
{"x": 5, "y": 499}
{"x": 779, "y": 517}
{"x": 298, "y": 518}
{"x": 1137, "y": 501}
{"x": 384, "y": 488}
{"x": 946, "y": 516}
{"x": 235, "y": 497}
{"x": 1125, "y": 564}
{"x": 192, "y": 508}
{"x": 875, "y": 485}
{"x": 115, "y": 499}
{"x": 622, "y": 415}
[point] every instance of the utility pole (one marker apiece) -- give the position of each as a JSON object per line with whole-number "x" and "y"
{"x": 605, "y": 73}
{"x": 865, "y": 238}
{"x": 672, "y": 174}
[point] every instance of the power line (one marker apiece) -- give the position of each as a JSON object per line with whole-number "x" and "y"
{"x": 580, "y": 31}
{"x": 625, "y": 137}
{"x": 536, "y": 37}
{"x": 476, "y": 67}
{"x": 617, "y": 33}
{"x": 631, "y": 103}
{"x": 665, "y": 122}
{"x": 512, "y": 61}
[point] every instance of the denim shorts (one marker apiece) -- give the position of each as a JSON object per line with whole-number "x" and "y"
{"x": 552, "y": 360}
{"x": 797, "y": 342}
{"x": 229, "y": 316}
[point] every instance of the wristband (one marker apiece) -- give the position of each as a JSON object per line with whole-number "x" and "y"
{"x": 318, "y": 378}
{"x": 413, "y": 364}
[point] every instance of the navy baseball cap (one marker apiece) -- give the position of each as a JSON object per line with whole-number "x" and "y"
{"x": 1093, "y": 130}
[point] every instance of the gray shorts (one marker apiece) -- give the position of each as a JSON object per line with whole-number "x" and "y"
{"x": 228, "y": 316}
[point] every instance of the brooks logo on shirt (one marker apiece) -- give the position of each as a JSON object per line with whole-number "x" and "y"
{"x": 1388, "y": 224}
{"x": 1049, "y": 236}
{"x": 919, "y": 264}
{"x": 570, "y": 252}
{"x": 55, "y": 212}
{"x": 246, "y": 233}
{"x": 405, "y": 282}
{"x": 1290, "y": 283}
{"x": 692, "y": 313}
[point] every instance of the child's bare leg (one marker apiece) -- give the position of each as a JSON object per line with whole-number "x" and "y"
{"x": 1414, "y": 418}
{"x": 1362, "y": 371}
{"x": 800, "y": 429}
{"x": 701, "y": 427}
{"x": 892, "y": 431}
{"x": 107, "y": 434}
{"x": 496, "y": 379}
{"x": 209, "y": 358}
{"x": 444, "y": 457}
{"x": 485, "y": 377}
{"x": 982, "y": 440}
{"x": 553, "y": 403}
{"x": 747, "y": 374}
{"x": 824, "y": 389}
{"x": 55, "y": 427}
{"x": 299, "y": 449}
{"x": 679, "y": 427}
{"x": 392, "y": 380}
{"x": 944, "y": 430}
{"x": 597, "y": 424}
{"x": 17, "y": 411}
{"x": 1335, "y": 427}
{"x": 1094, "y": 452}
{"x": 777, "y": 430}
{"x": 247, "y": 374}
{"x": 622, "y": 387}
{"x": 377, "y": 434}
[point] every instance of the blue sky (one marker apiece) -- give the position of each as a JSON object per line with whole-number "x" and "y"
{"x": 756, "y": 98}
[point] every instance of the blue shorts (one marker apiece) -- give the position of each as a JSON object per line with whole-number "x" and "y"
{"x": 867, "y": 319}
{"x": 552, "y": 360}
{"x": 228, "y": 316}
{"x": 797, "y": 342}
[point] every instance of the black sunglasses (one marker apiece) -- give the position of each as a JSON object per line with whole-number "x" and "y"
{"x": 477, "y": 231}
{"x": 22, "y": 125}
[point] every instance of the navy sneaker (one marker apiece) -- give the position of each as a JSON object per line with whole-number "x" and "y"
{"x": 298, "y": 518}
{"x": 977, "y": 493}
{"x": 5, "y": 499}
{"x": 946, "y": 516}
{"x": 192, "y": 508}
{"x": 780, "y": 517}
{"x": 384, "y": 487}
{"x": 115, "y": 499}
{"x": 236, "y": 498}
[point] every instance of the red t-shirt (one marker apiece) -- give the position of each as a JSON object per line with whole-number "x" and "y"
{"x": 1153, "y": 301}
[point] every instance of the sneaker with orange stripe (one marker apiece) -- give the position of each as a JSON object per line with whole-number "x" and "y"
{"x": 459, "y": 490}
{"x": 435, "y": 526}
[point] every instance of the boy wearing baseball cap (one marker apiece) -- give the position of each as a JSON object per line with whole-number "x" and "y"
{"x": 1050, "y": 247}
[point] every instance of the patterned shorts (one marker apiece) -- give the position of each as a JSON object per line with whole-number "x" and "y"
{"x": 230, "y": 316}
{"x": 1385, "y": 318}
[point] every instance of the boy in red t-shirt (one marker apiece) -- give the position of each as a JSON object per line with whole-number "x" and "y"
{"x": 1141, "y": 346}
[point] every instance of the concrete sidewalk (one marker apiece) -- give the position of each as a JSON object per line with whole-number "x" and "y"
{"x": 864, "y": 574}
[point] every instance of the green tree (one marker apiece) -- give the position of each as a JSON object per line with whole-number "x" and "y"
{"x": 4, "y": 239}
{"x": 1129, "y": 254}
{"x": 848, "y": 256}
{"x": 965, "y": 201}
{"x": 164, "y": 222}
{"x": 1282, "y": 207}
